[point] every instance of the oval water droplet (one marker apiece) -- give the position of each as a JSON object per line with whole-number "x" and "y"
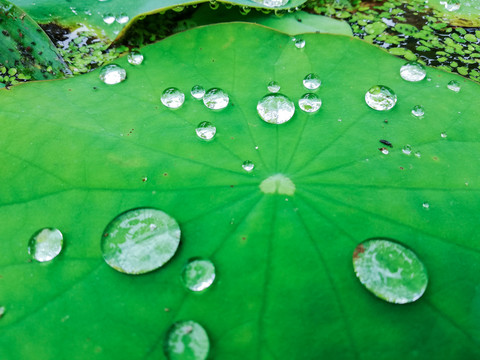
{"x": 418, "y": 110}
{"x": 140, "y": 240}
{"x": 275, "y": 108}
{"x": 443, "y": 135}
{"x": 45, "y": 244}
{"x": 312, "y": 81}
{"x": 112, "y": 74}
{"x": 454, "y": 85}
{"x": 122, "y": 18}
{"x": 135, "y": 57}
{"x": 109, "y": 18}
{"x": 407, "y": 150}
{"x": 186, "y": 340}
{"x": 309, "y": 103}
{"x": 426, "y": 205}
{"x": 173, "y": 98}
{"x": 273, "y": 87}
{"x": 206, "y": 131}
{"x": 198, "y": 92}
{"x": 299, "y": 43}
{"x": 272, "y": 3}
{"x": 248, "y": 165}
{"x": 413, "y": 71}
{"x": 380, "y": 98}
{"x": 198, "y": 274}
{"x": 216, "y": 99}
{"x": 390, "y": 270}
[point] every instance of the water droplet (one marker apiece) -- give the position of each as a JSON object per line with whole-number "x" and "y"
{"x": 198, "y": 274}
{"x": 426, "y": 205}
{"x": 299, "y": 43}
{"x": 186, "y": 340}
{"x": 418, "y": 110}
{"x": 197, "y": 92}
{"x": 413, "y": 71}
{"x": 312, "y": 81}
{"x": 205, "y": 130}
{"x": 248, "y": 165}
{"x": 380, "y": 98}
{"x": 278, "y": 184}
{"x": 443, "y": 135}
{"x": 451, "y": 5}
{"x": 173, "y": 98}
{"x": 178, "y": 8}
{"x": 273, "y": 87}
{"x": 417, "y": 154}
{"x": 131, "y": 244}
{"x": 122, "y": 18}
{"x": 271, "y": 3}
{"x": 384, "y": 150}
{"x": 309, "y": 103}
{"x": 390, "y": 271}
{"x": 275, "y": 108}
{"x": 109, "y": 18}
{"x": 45, "y": 244}
{"x": 2, "y": 311}
{"x": 135, "y": 57}
{"x": 407, "y": 150}
{"x": 112, "y": 74}
{"x": 216, "y": 99}
{"x": 454, "y": 85}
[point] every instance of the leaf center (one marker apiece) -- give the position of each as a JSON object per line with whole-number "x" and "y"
{"x": 278, "y": 184}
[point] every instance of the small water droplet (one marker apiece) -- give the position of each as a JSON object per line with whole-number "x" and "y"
{"x": 273, "y": 87}
{"x": 418, "y": 110}
{"x": 133, "y": 246}
{"x": 390, "y": 271}
{"x": 186, "y": 340}
{"x": 216, "y": 99}
{"x": 205, "y": 130}
{"x": 173, "y": 98}
{"x": 275, "y": 108}
{"x": 271, "y": 3}
{"x": 2, "y": 311}
{"x": 384, "y": 150}
{"x": 248, "y": 165}
{"x": 198, "y": 274}
{"x": 451, "y": 5}
{"x": 454, "y": 85}
{"x": 198, "y": 92}
{"x": 122, "y": 18}
{"x": 443, "y": 135}
{"x": 112, "y": 74}
{"x": 309, "y": 103}
{"x": 135, "y": 57}
{"x": 109, "y": 18}
{"x": 426, "y": 205}
{"x": 417, "y": 154}
{"x": 312, "y": 81}
{"x": 45, "y": 244}
{"x": 407, "y": 150}
{"x": 178, "y": 8}
{"x": 413, "y": 71}
{"x": 380, "y": 98}
{"x": 299, "y": 43}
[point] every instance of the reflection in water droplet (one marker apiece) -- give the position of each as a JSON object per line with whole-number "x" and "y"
{"x": 271, "y": 3}
{"x": 45, "y": 244}
{"x": 278, "y": 184}
{"x": 451, "y": 5}
{"x": 299, "y": 43}
{"x": 380, "y": 98}
{"x": 197, "y": 92}
{"x": 109, "y": 18}
{"x": 131, "y": 244}
{"x": 454, "y": 85}
{"x": 248, "y": 165}
{"x": 390, "y": 271}
{"x": 186, "y": 340}
{"x": 275, "y": 108}
{"x": 173, "y": 98}
{"x": 216, "y": 99}
{"x": 413, "y": 71}
{"x": 407, "y": 150}
{"x": 426, "y": 205}
{"x": 273, "y": 87}
{"x": 309, "y": 103}
{"x": 122, "y": 18}
{"x": 443, "y": 135}
{"x": 205, "y": 130}
{"x": 112, "y": 74}
{"x": 135, "y": 57}
{"x": 198, "y": 274}
{"x": 312, "y": 81}
{"x": 418, "y": 110}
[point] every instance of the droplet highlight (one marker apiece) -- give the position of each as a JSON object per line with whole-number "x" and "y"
{"x": 413, "y": 71}
{"x": 418, "y": 111}
{"x": 309, "y": 103}
{"x": 454, "y": 85}
{"x": 273, "y": 87}
{"x": 186, "y": 340}
{"x": 380, "y": 98}
{"x": 45, "y": 244}
{"x": 173, "y": 98}
{"x": 198, "y": 274}
{"x": 198, "y": 92}
{"x": 275, "y": 108}
{"x": 112, "y": 74}
{"x": 312, "y": 81}
{"x": 248, "y": 165}
{"x": 216, "y": 99}
{"x": 135, "y": 57}
{"x": 206, "y": 130}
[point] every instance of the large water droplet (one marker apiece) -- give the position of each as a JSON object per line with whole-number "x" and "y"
{"x": 112, "y": 74}
{"x": 275, "y": 108}
{"x": 278, "y": 184}
{"x": 299, "y": 43}
{"x": 173, "y": 98}
{"x": 216, "y": 99}
{"x": 186, "y": 340}
{"x": 205, "y": 130}
{"x": 418, "y": 110}
{"x": 122, "y": 18}
{"x": 451, "y": 5}
{"x": 312, "y": 81}
{"x": 109, "y": 18}
{"x": 248, "y": 165}
{"x": 309, "y": 103}
{"x": 413, "y": 71}
{"x": 454, "y": 85}
{"x": 140, "y": 240}
{"x": 45, "y": 244}
{"x": 198, "y": 274}
{"x": 273, "y": 87}
{"x": 380, "y": 98}
{"x": 198, "y": 92}
{"x": 271, "y": 3}
{"x": 390, "y": 271}
{"x": 135, "y": 57}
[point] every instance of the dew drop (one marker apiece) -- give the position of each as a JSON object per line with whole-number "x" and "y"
{"x": 108, "y": 19}
{"x": 205, "y": 130}
{"x": 133, "y": 246}
{"x": 45, "y": 244}
{"x": 418, "y": 110}
{"x": 2, "y": 311}
{"x": 186, "y": 340}
{"x": 426, "y": 205}
{"x": 312, "y": 81}
{"x": 122, "y": 18}
{"x": 451, "y": 5}
{"x": 443, "y": 135}
{"x": 309, "y": 103}
{"x": 413, "y": 71}
{"x": 380, "y": 98}
{"x": 197, "y": 92}
{"x": 299, "y": 43}
{"x": 454, "y": 85}
{"x": 173, "y": 98}
{"x": 273, "y": 87}
{"x": 390, "y": 271}
{"x": 248, "y": 165}
{"x": 216, "y": 99}
{"x": 135, "y": 57}
{"x": 407, "y": 150}
{"x": 275, "y": 108}
{"x": 271, "y": 3}
{"x": 418, "y": 154}
{"x": 384, "y": 151}
{"x": 112, "y": 74}
{"x": 198, "y": 274}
